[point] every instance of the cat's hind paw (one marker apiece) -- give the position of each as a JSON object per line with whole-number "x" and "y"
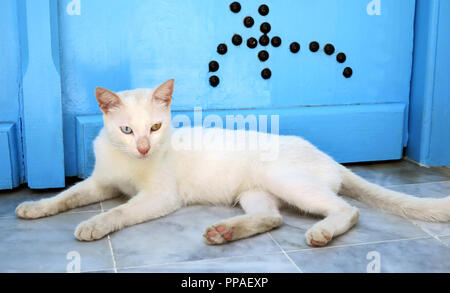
{"x": 218, "y": 234}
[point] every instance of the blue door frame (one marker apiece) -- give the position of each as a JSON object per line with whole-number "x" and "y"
{"x": 55, "y": 56}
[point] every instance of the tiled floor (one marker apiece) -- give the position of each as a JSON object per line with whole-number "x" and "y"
{"x": 174, "y": 243}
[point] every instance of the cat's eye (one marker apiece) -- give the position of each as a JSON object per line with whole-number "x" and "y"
{"x": 126, "y": 129}
{"x": 156, "y": 126}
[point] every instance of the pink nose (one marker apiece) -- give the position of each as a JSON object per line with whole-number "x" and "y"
{"x": 144, "y": 149}
{"x": 143, "y": 145}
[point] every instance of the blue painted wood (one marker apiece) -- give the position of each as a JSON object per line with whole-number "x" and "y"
{"x": 376, "y": 129}
{"x": 88, "y": 128}
{"x": 10, "y": 96}
{"x": 429, "y": 126}
{"x": 9, "y": 160}
{"x": 144, "y": 43}
{"x": 44, "y": 151}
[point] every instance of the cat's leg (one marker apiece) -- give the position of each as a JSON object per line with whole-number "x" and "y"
{"x": 143, "y": 207}
{"x": 304, "y": 192}
{"x": 262, "y": 215}
{"x": 81, "y": 194}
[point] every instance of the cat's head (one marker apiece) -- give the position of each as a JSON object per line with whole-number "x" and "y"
{"x": 137, "y": 121}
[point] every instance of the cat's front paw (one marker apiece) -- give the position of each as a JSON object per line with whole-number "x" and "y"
{"x": 317, "y": 237}
{"x": 91, "y": 230}
{"x": 31, "y": 210}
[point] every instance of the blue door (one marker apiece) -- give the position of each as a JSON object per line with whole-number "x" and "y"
{"x": 336, "y": 72}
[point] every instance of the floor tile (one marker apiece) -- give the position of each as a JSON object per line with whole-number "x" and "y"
{"x": 436, "y": 189}
{"x": 10, "y": 199}
{"x": 398, "y": 172}
{"x": 275, "y": 263}
{"x": 42, "y": 245}
{"x": 178, "y": 237}
{"x": 410, "y": 256}
{"x": 372, "y": 226}
{"x": 446, "y": 239}
{"x": 111, "y": 271}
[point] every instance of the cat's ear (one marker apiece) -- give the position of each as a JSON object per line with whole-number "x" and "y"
{"x": 163, "y": 93}
{"x": 107, "y": 100}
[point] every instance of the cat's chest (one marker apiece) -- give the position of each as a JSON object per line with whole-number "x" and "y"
{"x": 129, "y": 178}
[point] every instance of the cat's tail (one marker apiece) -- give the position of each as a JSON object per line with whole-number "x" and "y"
{"x": 402, "y": 204}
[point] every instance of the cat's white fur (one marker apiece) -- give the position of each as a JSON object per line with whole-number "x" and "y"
{"x": 165, "y": 178}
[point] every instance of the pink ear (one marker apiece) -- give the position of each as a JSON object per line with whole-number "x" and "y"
{"x": 164, "y": 92}
{"x": 107, "y": 100}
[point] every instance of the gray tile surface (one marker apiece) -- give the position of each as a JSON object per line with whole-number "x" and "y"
{"x": 42, "y": 245}
{"x": 279, "y": 263}
{"x": 446, "y": 239}
{"x": 399, "y": 172}
{"x": 412, "y": 256}
{"x": 174, "y": 243}
{"x": 178, "y": 237}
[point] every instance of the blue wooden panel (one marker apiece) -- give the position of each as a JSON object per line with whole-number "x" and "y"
{"x": 10, "y": 89}
{"x": 375, "y": 129}
{"x": 430, "y": 96}
{"x": 44, "y": 152}
{"x": 142, "y": 43}
{"x": 88, "y": 128}
{"x": 9, "y": 160}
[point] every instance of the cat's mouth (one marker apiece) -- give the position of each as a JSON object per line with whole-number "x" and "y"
{"x": 143, "y": 157}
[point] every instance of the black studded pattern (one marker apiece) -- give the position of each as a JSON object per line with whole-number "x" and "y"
{"x": 341, "y": 58}
{"x": 314, "y": 46}
{"x": 263, "y": 55}
{"x": 294, "y": 47}
{"x": 276, "y": 42}
{"x": 266, "y": 73}
{"x": 264, "y": 41}
{"x": 235, "y": 7}
{"x": 252, "y": 43}
{"x": 213, "y": 66}
{"x": 329, "y": 49}
{"x": 236, "y": 40}
{"x": 348, "y": 72}
{"x": 222, "y": 49}
{"x": 263, "y": 10}
{"x": 214, "y": 81}
{"x": 265, "y": 27}
{"x": 249, "y": 21}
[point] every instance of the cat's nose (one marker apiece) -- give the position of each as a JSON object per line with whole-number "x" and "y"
{"x": 144, "y": 150}
{"x": 143, "y": 145}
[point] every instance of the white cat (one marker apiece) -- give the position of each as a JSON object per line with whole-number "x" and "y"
{"x": 135, "y": 155}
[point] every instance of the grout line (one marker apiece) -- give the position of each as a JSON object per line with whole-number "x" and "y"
{"x": 112, "y": 254}
{"x": 359, "y": 244}
{"x": 285, "y": 254}
{"x": 434, "y": 235}
{"x": 110, "y": 245}
{"x": 442, "y": 241}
